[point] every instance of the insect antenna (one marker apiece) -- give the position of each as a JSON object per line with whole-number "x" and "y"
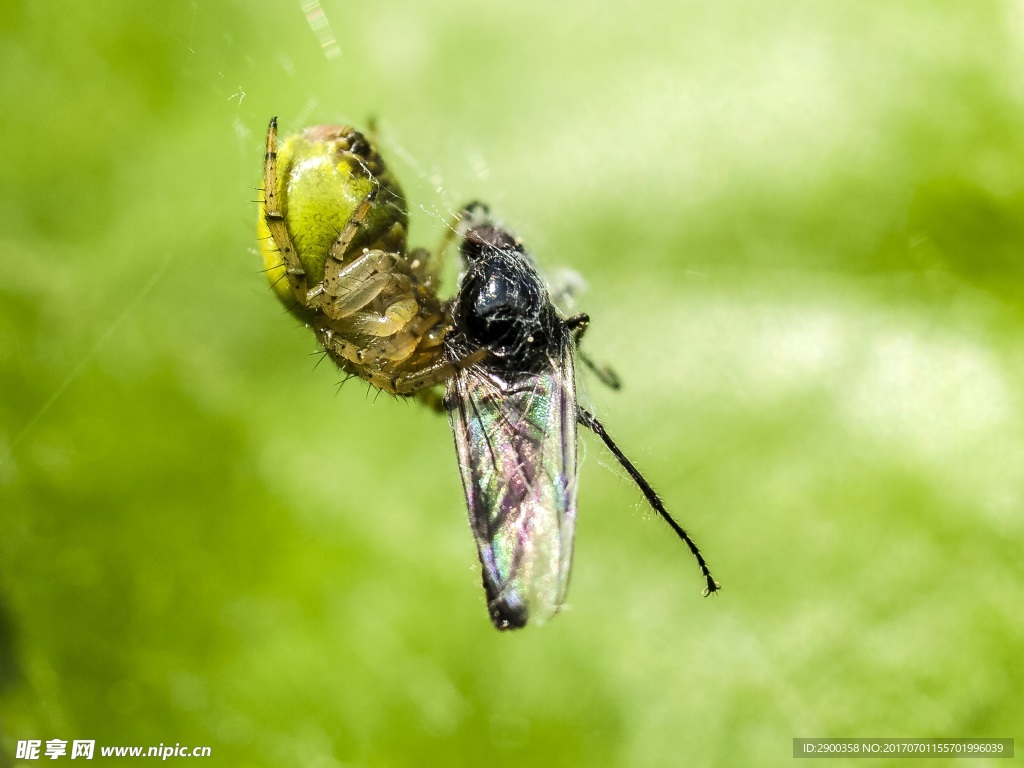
{"x": 590, "y": 421}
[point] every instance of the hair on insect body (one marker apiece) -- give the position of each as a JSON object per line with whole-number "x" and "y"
{"x": 332, "y": 224}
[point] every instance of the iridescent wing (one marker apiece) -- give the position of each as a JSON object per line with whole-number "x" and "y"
{"x": 515, "y": 435}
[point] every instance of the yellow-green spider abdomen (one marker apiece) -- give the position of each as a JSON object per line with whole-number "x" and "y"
{"x": 324, "y": 174}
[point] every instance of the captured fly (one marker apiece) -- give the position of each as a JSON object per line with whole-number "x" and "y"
{"x": 514, "y": 415}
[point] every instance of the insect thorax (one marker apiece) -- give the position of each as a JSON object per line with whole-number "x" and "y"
{"x": 503, "y": 306}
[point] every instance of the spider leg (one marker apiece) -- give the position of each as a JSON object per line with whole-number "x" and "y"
{"x": 426, "y": 268}
{"x": 433, "y": 265}
{"x": 408, "y": 383}
{"x": 348, "y": 288}
{"x": 295, "y": 273}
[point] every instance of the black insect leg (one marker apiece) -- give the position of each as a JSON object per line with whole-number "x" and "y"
{"x": 577, "y": 325}
{"x": 590, "y": 421}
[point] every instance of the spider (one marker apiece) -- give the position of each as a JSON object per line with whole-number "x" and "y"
{"x": 332, "y": 226}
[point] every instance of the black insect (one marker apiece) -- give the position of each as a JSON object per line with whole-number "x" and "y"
{"x": 514, "y": 417}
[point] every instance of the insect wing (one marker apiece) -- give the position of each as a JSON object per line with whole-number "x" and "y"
{"x": 516, "y": 441}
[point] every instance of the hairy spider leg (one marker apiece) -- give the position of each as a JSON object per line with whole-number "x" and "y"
{"x": 295, "y": 273}
{"x": 355, "y": 285}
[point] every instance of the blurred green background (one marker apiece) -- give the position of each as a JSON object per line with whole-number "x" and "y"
{"x": 801, "y": 225}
